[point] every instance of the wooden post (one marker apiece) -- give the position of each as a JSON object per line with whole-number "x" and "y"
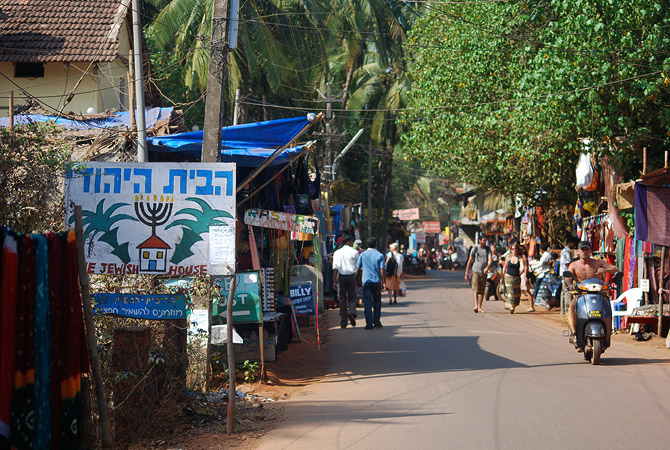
{"x": 11, "y": 111}
{"x": 107, "y": 442}
{"x": 644, "y": 161}
{"x": 230, "y": 418}
{"x": 660, "y": 291}
{"x": 260, "y": 340}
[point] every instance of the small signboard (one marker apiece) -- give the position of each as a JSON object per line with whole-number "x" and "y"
{"x": 406, "y": 214}
{"x": 431, "y": 226}
{"x": 150, "y": 307}
{"x": 303, "y": 299}
{"x": 247, "y": 303}
{"x": 644, "y": 284}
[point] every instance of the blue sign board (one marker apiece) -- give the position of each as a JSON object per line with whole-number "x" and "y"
{"x": 302, "y": 298}
{"x": 151, "y": 307}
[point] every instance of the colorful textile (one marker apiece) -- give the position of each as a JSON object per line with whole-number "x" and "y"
{"x": 42, "y": 341}
{"x": 42, "y": 346}
{"x": 10, "y": 267}
{"x": 652, "y": 213}
{"x": 23, "y": 400}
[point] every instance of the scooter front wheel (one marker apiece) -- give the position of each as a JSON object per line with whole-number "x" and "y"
{"x": 597, "y": 351}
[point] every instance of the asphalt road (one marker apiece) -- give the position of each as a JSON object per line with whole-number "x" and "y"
{"x": 438, "y": 376}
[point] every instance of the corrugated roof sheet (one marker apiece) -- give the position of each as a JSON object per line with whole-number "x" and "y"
{"x": 60, "y": 30}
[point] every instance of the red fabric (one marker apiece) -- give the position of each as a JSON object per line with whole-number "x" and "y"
{"x": 10, "y": 268}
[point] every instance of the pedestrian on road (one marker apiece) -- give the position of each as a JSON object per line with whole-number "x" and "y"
{"x": 393, "y": 279}
{"x": 344, "y": 266}
{"x": 526, "y": 282}
{"x": 513, "y": 268}
{"x": 373, "y": 276}
{"x": 480, "y": 263}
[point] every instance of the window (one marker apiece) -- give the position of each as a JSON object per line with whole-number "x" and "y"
{"x": 145, "y": 255}
{"x": 28, "y": 70}
{"x": 159, "y": 255}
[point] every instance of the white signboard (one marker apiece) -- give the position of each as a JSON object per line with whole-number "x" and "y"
{"x": 154, "y": 218}
{"x": 406, "y": 214}
{"x": 644, "y": 284}
{"x": 281, "y": 221}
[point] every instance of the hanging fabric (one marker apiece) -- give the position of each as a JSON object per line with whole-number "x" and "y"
{"x": 10, "y": 268}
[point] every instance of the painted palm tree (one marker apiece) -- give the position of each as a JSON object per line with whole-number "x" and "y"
{"x": 101, "y": 221}
{"x": 193, "y": 229}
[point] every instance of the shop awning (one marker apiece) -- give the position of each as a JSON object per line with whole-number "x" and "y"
{"x": 246, "y": 145}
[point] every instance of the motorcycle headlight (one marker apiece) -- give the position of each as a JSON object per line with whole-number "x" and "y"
{"x": 593, "y": 287}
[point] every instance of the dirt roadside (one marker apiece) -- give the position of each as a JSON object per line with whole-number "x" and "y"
{"x": 203, "y": 425}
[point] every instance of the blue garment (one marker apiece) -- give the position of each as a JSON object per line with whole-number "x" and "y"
{"x": 42, "y": 345}
{"x": 371, "y": 261}
{"x": 372, "y": 301}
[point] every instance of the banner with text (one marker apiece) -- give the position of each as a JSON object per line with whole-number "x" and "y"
{"x": 281, "y": 221}
{"x": 155, "y": 218}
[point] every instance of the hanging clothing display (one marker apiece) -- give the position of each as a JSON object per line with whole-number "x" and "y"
{"x": 652, "y": 216}
{"x": 43, "y": 350}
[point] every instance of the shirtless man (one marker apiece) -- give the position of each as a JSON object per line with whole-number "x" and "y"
{"x": 586, "y": 267}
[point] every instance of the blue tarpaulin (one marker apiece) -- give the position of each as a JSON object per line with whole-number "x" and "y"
{"x": 247, "y": 145}
{"x": 116, "y": 120}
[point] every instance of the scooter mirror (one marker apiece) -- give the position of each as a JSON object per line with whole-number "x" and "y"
{"x": 568, "y": 274}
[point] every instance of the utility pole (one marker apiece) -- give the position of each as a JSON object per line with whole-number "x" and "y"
{"x": 328, "y": 98}
{"x": 139, "y": 84}
{"x": 370, "y": 188}
{"x": 216, "y": 83}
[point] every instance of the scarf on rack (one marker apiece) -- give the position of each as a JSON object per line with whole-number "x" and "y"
{"x": 23, "y": 405}
{"x": 42, "y": 345}
{"x": 10, "y": 267}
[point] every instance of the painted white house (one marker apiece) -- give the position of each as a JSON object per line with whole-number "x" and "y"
{"x": 69, "y": 55}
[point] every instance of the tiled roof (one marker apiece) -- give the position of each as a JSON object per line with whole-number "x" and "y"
{"x": 60, "y": 30}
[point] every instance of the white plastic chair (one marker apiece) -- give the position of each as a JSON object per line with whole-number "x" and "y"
{"x": 633, "y": 299}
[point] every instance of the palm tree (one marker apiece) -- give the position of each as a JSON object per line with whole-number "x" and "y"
{"x": 278, "y": 53}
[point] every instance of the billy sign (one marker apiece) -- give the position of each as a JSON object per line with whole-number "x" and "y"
{"x": 151, "y": 218}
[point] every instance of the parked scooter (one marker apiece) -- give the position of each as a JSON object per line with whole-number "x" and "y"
{"x": 593, "y": 313}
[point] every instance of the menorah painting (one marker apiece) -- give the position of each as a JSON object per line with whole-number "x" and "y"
{"x": 152, "y": 218}
{"x": 153, "y": 212}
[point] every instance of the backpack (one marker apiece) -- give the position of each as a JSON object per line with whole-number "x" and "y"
{"x": 391, "y": 266}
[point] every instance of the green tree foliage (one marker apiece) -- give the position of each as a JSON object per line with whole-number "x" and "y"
{"x": 32, "y": 169}
{"x": 503, "y": 90}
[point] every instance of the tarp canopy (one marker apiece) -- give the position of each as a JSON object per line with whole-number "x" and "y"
{"x": 115, "y": 120}
{"x": 247, "y": 145}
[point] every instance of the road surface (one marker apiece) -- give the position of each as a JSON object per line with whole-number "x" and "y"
{"x": 439, "y": 376}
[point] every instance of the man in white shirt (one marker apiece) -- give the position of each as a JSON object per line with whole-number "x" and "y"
{"x": 344, "y": 266}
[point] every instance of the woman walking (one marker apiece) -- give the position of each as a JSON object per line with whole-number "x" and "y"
{"x": 513, "y": 268}
{"x": 526, "y": 282}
